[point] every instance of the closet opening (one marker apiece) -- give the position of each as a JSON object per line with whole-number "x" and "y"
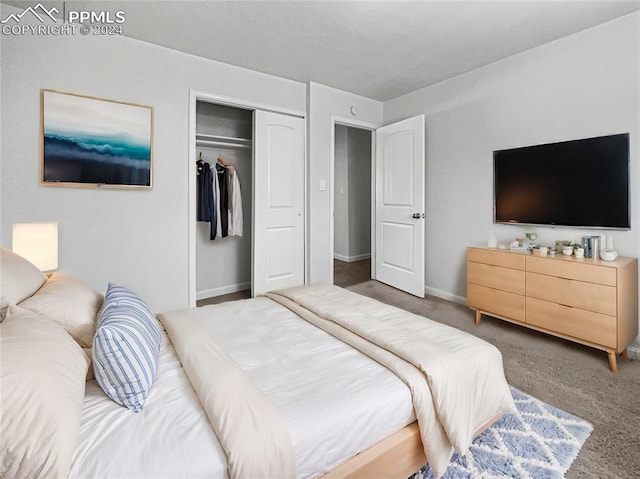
{"x": 352, "y": 204}
{"x": 224, "y": 146}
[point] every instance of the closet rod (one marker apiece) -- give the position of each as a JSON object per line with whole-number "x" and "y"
{"x": 230, "y": 139}
{"x": 220, "y": 143}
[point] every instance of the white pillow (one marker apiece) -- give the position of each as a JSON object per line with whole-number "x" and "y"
{"x": 70, "y": 303}
{"x": 19, "y": 279}
{"x": 42, "y": 372}
{"x": 126, "y": 348}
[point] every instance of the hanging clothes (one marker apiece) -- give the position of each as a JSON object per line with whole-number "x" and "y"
{"x": 203, "y": 193}
{"x": 213, "y": 227}
{"x": 219, "y": 199}
{"x": 206, "y": 210}
{"x": 224, "y": 200}
{"x": 229, "y": 176}
{"x": 236, "y": 226}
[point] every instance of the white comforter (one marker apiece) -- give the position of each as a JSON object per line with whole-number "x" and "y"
{"x": 456, "y": 379}
{"x": 250, "y": 428}
{"x": 327, "y": 400}
{"x": 335, "y": 401}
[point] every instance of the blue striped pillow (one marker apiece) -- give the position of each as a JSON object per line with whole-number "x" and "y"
{"x": 126, "y": 348}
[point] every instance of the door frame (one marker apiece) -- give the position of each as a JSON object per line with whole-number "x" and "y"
{"x": 363, "y": 125}
{"x": 201, "y": 95}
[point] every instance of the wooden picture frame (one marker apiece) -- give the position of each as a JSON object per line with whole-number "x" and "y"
{"x": 90, "y": 142}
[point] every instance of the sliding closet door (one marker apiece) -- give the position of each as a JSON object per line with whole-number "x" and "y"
{"x": 278, "y": 202}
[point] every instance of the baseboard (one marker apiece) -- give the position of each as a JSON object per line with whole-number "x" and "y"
{"x": 438, "y": 293}
{"x": 634, "y": 353}
{"x": 351, "y": 259}
{"x": 231, "y": 288}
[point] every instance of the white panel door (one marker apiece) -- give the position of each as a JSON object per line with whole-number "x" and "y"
{"x": 399, "y": 224}
{"x": 278, "y": 202}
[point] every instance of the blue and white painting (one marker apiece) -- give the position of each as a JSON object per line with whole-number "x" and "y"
{"x": 89, "y": 141}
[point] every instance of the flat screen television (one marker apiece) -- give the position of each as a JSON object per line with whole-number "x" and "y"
{"x": 579, "y": 183}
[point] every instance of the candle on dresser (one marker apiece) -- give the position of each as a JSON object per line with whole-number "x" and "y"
{"x": 610, "y": 242}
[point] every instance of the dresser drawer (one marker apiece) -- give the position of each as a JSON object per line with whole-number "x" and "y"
{"x": 496, "y": 258}
{"x": 572, "y": 269}
{"x": 497, "y": 277}
{"x": 502, "y": 303}
{"x": 578, "y": 323}
{"x": 569, "y": 292}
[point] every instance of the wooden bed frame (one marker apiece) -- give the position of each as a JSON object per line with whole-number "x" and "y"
{"x": 395, "y": 457}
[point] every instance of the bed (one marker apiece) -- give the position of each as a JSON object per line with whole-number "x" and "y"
{"x": 308, "y": 382}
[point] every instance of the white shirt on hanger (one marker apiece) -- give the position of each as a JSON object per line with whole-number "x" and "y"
{"x": 236, "y": 226}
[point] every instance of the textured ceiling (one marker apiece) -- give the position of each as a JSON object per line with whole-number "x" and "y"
{"x": 379, "y": 49}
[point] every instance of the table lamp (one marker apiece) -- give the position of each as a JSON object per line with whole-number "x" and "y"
{"x": 38, "y": 243}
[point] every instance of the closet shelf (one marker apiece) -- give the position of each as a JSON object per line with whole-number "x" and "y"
{"x": 217, "y": 140}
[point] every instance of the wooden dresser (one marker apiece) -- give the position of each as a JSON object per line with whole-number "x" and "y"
{"x": 585, "y": 300}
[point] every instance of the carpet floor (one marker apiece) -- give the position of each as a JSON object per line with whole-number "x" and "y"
{"x": 566, "y": 375}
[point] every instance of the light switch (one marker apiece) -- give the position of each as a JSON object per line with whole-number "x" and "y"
{"x": 323, "y": 185}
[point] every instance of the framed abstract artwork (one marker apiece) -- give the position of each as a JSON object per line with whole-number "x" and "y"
{"x": 91, "y": 142}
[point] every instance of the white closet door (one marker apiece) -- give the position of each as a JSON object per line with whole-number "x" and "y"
{"x": 278, "y": 202}
{"x": 400, "y": 205}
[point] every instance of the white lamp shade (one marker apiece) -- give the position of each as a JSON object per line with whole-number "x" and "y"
{"x": 38, "y": 243}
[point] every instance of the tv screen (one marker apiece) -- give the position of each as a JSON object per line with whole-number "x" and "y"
{"x": 580, "y": 183}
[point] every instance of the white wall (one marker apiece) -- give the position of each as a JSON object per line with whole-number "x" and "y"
{"x": 580, "y": 86}
{"x": 341, "y": 193}
{"x": 135, "y": 238}
{"x": 323, "y": 104}
{"x": 359, "y": 192}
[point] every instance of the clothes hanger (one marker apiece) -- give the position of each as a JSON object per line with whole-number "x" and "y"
{"x": 199, "y": 163}
{"x": 222, "y": 162}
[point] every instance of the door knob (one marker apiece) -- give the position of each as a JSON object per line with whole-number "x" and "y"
{"x": 416, "y": 216}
